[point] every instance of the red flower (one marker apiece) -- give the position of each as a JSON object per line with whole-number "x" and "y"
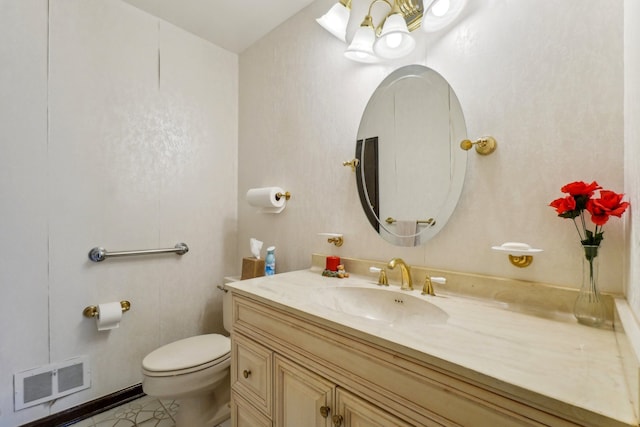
{"x": 564, "y": 204}
{"x": 581, "y": 198}
{"x": 609, "y": 203}
{"x": 580, "y": 188}
{"x": 599, "y": 216}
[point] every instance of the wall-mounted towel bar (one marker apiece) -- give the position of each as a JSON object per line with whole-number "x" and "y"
{"x": 429, "y": 221}
{"x": 100, "y": 254}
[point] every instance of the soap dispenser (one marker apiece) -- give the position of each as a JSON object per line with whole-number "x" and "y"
{"x": 270, "y": 261}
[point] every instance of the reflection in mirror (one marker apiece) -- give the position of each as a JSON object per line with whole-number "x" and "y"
{"x": 411, "y": 169}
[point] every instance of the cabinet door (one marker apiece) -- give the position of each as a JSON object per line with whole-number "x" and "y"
{"x": 245, "y": 415}
{"x": 302, "y": 398}
{"x": 356, "y": 412}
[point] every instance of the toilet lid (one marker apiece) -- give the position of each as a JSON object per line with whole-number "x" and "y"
{"x": 188, "y": 353}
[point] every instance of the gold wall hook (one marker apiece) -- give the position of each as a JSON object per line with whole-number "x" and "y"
{"x": 353, "y": 163}
{"x": 280, "y": 195}
{"x": 337, "y": 240}
{"x": 92, "y": 310}
{"x": 484, "y": 146}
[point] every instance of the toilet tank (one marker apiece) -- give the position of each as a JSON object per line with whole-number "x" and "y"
{"x": 226, "y": 304}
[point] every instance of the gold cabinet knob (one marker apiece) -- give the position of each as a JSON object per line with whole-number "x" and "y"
{"x": 246, "y": 373}
{"x": 337, "y": 420}
{"x": 324, "y": 411}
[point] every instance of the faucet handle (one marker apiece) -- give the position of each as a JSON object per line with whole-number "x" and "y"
{"x": 382, "y": 278}
{"x": 427, "y": 288}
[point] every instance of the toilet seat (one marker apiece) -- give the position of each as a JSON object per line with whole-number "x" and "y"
{"x": 188, "y": 355}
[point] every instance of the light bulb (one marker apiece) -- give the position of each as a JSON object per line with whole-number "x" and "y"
{"x": 441, "y": 7}
{"x": 393, "y": 40}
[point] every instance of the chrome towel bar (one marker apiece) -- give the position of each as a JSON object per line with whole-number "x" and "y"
{"x": 98, "y": 254}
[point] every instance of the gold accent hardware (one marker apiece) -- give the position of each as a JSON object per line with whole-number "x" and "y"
{"x": 521, "y": 261}
{"x": 337, "y": 240}
{"x": 286, "y": 195}
{"x": 246, "y": 373}
{"x": 430, "y": 221}
{"x": 484, "y": 146}
{"x": 324, "y": 411}
{"x": 353, "y": 163}
{"x": 410, "y": 10}
{"x": 520, "y": 254}
{"x": 427, "y": 288}
{"x": 406, "y": 283}
{"x": 92, "y": 310}
{"x": 337, "y": 420}
{"x": 346, "y": 3}
{"x": 382, "y": 279}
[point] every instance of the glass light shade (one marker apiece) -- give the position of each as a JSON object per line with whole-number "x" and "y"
{"x": 432, "y": 20}
{"x": 335, "y": 21}
{"x": 361, "y": 48}
{"x": 440, "y": 7}
{"x": 394, "y": 40}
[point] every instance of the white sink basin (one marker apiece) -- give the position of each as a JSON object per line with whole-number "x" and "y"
{"x": 381, "y": 305}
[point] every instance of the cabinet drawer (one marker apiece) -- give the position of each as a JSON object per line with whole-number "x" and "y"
{"x": 244, "y": 415}
{"x": 252, "y": 373}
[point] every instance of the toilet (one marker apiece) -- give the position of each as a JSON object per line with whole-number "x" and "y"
{"x": 195, "y": 372}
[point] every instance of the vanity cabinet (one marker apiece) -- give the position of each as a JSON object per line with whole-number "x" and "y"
{"x": 290, "y": 369}
{"x": 304, "y": 398}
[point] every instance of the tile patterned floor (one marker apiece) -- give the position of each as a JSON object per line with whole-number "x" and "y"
{"x": 144, "y": 412}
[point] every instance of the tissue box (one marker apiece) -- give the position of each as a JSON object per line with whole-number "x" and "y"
{"x": 252, "y": 267}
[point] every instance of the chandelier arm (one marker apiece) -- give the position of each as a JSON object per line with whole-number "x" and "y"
{"x": 383, "y": 1}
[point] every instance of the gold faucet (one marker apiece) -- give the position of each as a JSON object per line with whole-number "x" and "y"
{"x": 407, "y": 283}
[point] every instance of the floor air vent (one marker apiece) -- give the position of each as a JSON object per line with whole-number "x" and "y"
{"x": 46, "y": 383}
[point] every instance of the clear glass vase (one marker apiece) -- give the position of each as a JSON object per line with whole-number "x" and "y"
{"x": 589, "y": 307}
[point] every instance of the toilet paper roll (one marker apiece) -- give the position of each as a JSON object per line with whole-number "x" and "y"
{"x": 109, "y": 316}
{"x": 265, "y": 199}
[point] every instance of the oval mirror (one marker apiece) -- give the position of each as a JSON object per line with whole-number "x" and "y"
{"x": 410, "y": 165}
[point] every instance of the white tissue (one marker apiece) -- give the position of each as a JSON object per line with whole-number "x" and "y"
{"x": 109, "y": 316}
{"x": 256, "y": 246}
{"x": 267, "y": 199}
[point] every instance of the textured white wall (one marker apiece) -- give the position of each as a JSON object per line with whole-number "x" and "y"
{"x": 23, "y": 197}
{"x": 632, "y": 148}
{"x": 543, "y": 77}
{"x": 129, "y": 142}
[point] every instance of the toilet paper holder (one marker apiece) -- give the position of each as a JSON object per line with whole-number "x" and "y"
{"x": 92, "y": 310}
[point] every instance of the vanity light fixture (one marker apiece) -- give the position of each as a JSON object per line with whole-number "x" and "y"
{"x": 389, "y": 40}
{"x": 336, "y": 19}
{"x": 441, "y": 14}
{"x": 394, "y": 40}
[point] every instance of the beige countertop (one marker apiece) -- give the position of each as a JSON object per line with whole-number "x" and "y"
{"x": 548, "y": 361}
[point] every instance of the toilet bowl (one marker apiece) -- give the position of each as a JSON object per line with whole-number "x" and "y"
{"x": 195, "y": 372}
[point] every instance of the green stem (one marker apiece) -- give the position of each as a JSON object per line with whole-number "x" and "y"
{"x": 577, "y": 229}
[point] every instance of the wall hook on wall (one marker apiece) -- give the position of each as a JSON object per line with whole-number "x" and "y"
{"x": 484, "y": 146}
{"x": 335, "y": 238}
{"x": 353, "y": 163}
